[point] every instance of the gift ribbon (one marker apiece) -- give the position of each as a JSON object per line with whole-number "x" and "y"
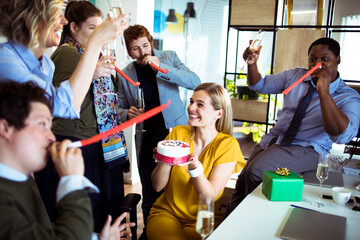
{"x": 171, "y": 160}
{"x": 158, "y": 68}
{"x": 283, "y": 171}
{"x": 118, "y": 128}
{"x": 286, "y": 91}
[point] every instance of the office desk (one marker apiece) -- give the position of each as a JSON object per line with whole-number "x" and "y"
{"x": 258, "y": 218}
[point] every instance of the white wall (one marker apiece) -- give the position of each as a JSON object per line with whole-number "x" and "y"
{"x": 344, "y": 8}
{"x": 141, "y": 12}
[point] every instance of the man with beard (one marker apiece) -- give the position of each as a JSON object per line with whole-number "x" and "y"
{"x": 321, "y": 110}
{"x": 158, "y": 89}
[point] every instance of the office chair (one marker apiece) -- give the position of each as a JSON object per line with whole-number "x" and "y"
{"x": 129, "y": 204}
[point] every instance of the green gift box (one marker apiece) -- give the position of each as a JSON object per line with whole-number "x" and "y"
{"x": 282, "y": 188}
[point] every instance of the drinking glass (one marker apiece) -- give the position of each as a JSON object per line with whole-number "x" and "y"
{"x": 109, "y": 50}
{"x": 322, "y": 174}
{"x": 115, "y": 11}
{"x": 205, "y": 216}
{"x": 254, "y": 46}
{"x": 140, "y": 104}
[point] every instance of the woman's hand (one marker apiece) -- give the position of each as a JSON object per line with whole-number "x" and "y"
{"x": 110, "y": 29}
{"x": 116, "y": 230}
{"x": 193, "y": 162}
{"x": 104, "y": 67}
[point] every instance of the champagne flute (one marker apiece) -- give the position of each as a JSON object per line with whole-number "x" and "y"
{"x": 205, "y": 216}
{"x": 109, "y": 50}
{"x": 322, "y": 174}
{"x": 254, "y": 46}
{"x": 114, "y": 12}
{"x": 140, "y": 104}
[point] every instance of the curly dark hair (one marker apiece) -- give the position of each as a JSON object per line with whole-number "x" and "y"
{"x": 333, "y": 45}
{"x": 16, "y": 99}
{"x": 136, "y": 31}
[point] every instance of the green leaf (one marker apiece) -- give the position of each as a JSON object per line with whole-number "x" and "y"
{"x": 245, "y": 131}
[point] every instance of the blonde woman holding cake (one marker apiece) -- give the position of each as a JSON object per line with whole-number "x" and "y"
{"x": 214, "y": 156}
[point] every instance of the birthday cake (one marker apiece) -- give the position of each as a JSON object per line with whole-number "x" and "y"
{"x": 172, "y": 152}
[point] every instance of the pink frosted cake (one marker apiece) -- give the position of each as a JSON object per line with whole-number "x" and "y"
{"x": 172, "y": 152}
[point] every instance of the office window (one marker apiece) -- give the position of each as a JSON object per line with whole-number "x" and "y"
{"x": 350, "y": 50}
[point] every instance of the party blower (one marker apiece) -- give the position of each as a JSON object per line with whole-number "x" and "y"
{"x": 120, "y": 127}
{"x": 121, "y": 72}
{"x": 158, "y": 68}
{"x": 126, "y": 77}
{"x": 286, "y": 91}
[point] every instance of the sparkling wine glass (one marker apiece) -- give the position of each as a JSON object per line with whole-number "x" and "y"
{"x": 322, "y": 174}
{"x": 140, "y": 104}
{"x": 109, "y": 50}
{"x": 205, "y": 216}
{"x": 114, "y": 12}
{"x": 254, "y": 46}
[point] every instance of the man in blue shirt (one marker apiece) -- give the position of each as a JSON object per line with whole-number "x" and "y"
{"x": 332, "y": 116}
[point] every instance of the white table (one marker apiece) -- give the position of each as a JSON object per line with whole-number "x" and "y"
{"x": 258, "y": 218}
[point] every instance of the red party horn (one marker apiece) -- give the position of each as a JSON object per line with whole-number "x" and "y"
{"x": 118, "y": 128}
{"x": 126, "y": 77}
{"x": 157, "y": 68}
{"x": 286, "y": 91}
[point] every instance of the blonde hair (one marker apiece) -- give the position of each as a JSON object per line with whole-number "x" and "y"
{"x": 20, "y": 19}
{"x": 219, "y": 100}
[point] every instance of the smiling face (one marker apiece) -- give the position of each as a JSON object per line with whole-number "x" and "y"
{"x": 29, "y": 145}
{"x": 140, "y": 48}
{"x": 51, "y": 38}
{"x": 201, "y": 111}
{"x": 329, "y": 61}
{"x": 82, "y": 33}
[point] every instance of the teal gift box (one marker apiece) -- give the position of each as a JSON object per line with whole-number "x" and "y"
{"x": 282, "y": 188}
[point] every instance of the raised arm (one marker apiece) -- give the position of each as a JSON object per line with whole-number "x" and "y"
{"x": 253, "y": 75}
{"x": 82, "y": 77}
{"x": 178, "y": 74}
{"x": 334, "y": 126}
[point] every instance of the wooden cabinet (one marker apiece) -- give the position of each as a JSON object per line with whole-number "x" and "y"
{"x": 250, "y": 110}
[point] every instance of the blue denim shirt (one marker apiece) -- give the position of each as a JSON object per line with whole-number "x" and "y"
{"x": 19, "y": 64}
{"x": 311, "y": 131}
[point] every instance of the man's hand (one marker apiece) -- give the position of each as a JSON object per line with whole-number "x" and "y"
{"x": 152, "y": 59}
{"x": 251, "y": 56}
{"x": 134, "y": 112}
{"x": 116, "y": 230}
{"x": 323, "y": 80}
{"x": 104, "y": 67}
{"x": 67, "y": 161}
